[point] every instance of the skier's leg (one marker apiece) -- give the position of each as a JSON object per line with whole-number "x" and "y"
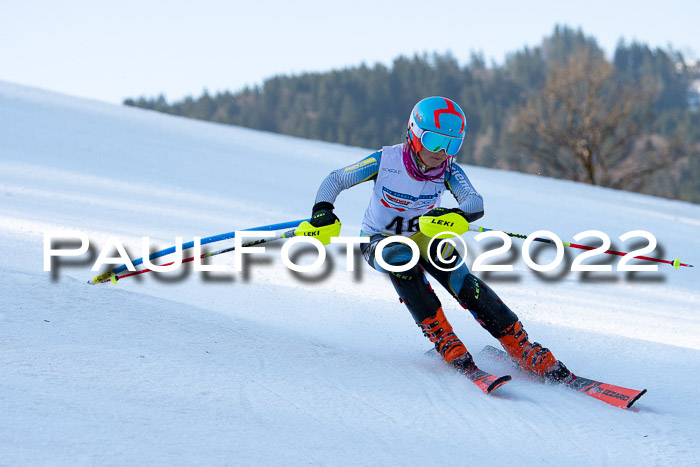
{"x": 495, "y": 316}
{"x": 490, "y": 311}
{"x": 473, "y": 294}
{"x": 415, "y": 292}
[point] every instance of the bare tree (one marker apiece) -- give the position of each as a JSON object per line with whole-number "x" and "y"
{"x": 585, "y": 126}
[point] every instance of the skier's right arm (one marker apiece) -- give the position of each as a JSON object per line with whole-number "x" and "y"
{"x": 339, "y": 180}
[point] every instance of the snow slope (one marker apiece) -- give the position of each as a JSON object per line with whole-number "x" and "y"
{"x": 270, "y": 367}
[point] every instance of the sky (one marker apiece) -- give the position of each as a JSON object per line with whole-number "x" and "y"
{"x": 110, "y": 51}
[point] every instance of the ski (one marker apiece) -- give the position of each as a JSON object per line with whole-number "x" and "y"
{"x": 484, "y": 380}
{"x": 618, "y": 396}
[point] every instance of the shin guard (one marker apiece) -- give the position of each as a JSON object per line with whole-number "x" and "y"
{"x": 486, "y": 307}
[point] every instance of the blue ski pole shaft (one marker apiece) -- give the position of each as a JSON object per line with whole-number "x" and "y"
{"x": 114, "y": 278}
{"x": 185, "y": 246}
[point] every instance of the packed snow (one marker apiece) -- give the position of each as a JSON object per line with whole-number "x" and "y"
{"x": 267, "y": 366}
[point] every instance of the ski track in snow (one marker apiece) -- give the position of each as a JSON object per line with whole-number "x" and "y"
{"x": 266, "y": 367}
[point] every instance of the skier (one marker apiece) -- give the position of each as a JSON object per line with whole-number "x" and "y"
{"x": 409, "y": 181}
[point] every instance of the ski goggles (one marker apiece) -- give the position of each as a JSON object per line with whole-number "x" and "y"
{"x": 435, "y": 142}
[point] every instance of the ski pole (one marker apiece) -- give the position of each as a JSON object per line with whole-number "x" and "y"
{"x": 303, "y": 228}
{"x": 216, "y": 238}
{"x": 675, "y": 263}
{"x": 290, "y": 233}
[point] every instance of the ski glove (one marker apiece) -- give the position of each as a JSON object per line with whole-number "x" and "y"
{"x": 322, "y": 214}
{"x": 323, "y": 225}
{"x": 470, "y": 217}
{"x": 437, "y": 212}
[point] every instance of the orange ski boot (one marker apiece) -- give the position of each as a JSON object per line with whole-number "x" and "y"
{"x": 440, "y": 332}
{"x": 531, "y": 355}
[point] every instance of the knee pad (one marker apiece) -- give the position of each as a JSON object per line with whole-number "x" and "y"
{"x": 396, "y": 254}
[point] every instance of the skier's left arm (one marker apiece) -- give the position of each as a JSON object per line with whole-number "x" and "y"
{"x": 471, "y": 203}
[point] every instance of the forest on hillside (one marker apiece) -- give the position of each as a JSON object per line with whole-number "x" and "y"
{"x": 561, "y": 109}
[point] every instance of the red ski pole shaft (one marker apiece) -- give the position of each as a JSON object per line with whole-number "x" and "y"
{"x": 675, "y": 263}
{"x": 620, "y": 253}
